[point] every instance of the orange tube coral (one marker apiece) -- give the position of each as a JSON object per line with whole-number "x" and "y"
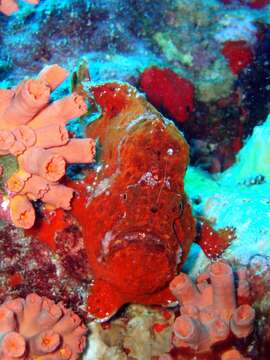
{"x": 43, "y": 163}
{"x": 30, "y": 97}
{"x": 59, "y": 196}
{"x": 61, "y": 111}
{"x": 13, "y": 345}
{"x": 41, "y": 328}
{"x": 194, "y": 334}
{"x": 218, "y": 331}
{"x": 25, "y": 135}
{"x": 77, "y": 151}
{"x": 34, "y": 131}
{"x": 187, "y": 331}
{"x": 242, "y": 321}
{"x": 223, "y": 288}
{"x": 210, "y": 314}
{"x": 243, "y": 290}
{"x": 17, "y": 181}
{"x": 7, "y": 139}
{"x": 8, "y": 7}
{"x": 53, "y": 75}
{"x": 184, "y": 290}
{"x": 17, "y": 307}
{"x": 33, "y": 2}
{"x": 17, "y": 148}
{"x": 15, "y": 184}
{"x": 190, "y": 310}
{"x": 22, "y": 212}
{"x": 6, "y": 96}
{"x": 45, "y": 342}
{"x": 51, "y": 136}
{"x": 7, "y": 321}
{"x": 35, "y": 187}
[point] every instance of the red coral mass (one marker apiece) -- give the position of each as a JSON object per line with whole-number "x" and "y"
{"x": 254, "y": 4}
{"x": 238, "y": 54}
{"x": 168, "y": 92}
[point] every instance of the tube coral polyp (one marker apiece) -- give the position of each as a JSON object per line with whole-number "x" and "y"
{"x": 209, "y": 311}
{"x": 37, "y": 328}
{"x": 33, "y": 130}
{"x": 8, "y": 7}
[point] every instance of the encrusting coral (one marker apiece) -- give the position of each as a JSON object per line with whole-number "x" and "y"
{"x": 209, "y": 311}
{"x": 37, "y": 328}
{"x": 8, "y": 7}
{"x": 33, "y": 130}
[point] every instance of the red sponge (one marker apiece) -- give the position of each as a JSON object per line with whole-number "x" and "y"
{"x": 238, "y": 53}
{"x": 168, "y": 92}
{"x": 254, "y": 4}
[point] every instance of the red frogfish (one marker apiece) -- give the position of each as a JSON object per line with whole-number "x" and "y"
{"x": 135, "y": 218}
{"x": 136, "y": 221}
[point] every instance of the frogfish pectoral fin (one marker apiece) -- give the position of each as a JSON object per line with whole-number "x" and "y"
{"x": 214, "y": 242}
{"x": 103, "y": 301}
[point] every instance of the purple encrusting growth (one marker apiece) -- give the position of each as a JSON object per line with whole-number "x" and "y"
{"x": 27, "y": 265}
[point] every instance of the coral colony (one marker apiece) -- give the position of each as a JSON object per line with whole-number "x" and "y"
{"x": 209, "y": 311}
{"x": 34, "y": 132}
{"x": 134, "y": 204}
{"x": 37, "y": 328}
